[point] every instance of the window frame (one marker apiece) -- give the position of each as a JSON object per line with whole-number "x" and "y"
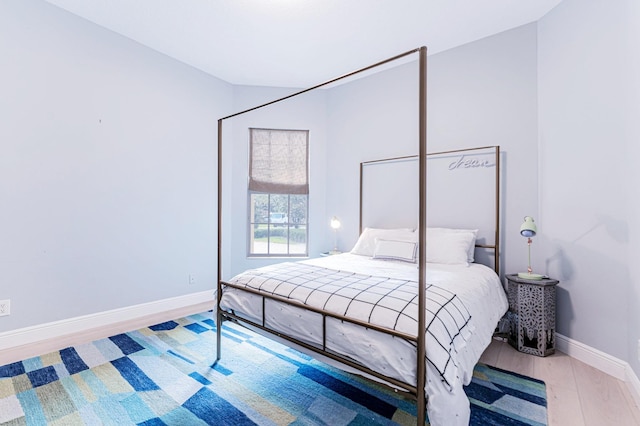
{"x": 252, "y": 223}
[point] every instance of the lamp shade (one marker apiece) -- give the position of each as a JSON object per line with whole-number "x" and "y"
{"x": 335, "y": 222}
{"x": 528, "y": 228}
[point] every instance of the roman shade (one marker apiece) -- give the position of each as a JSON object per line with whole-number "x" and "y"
{"x": 279, "y": 161}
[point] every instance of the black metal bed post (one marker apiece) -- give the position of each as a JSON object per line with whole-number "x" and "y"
{"x": 497, "y": 223}
{"x": 360, "y": 200}
{"x": 422, "y": 226}
{"x": 219, "y": 271}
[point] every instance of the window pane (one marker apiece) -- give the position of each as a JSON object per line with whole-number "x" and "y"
{"x": 260, "y": 238}
{"x": 259, "y": 206}
{"x": 298, "y": 209}
{"x": 298, "y": 239}
{"x": 278, "y": 243}
{"x": 278, "y": 224}
{"x": 279, "y": 210}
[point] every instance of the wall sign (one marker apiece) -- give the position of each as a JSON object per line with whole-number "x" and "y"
{"x": 464, "y": 162}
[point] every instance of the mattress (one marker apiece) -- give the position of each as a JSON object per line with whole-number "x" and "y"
{"x": 464, "y": 304}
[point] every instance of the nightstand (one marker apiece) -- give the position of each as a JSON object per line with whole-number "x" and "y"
{"x": 532, "y": 315}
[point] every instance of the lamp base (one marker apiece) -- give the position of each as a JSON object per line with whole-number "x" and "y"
{"x": 529, "y": 276}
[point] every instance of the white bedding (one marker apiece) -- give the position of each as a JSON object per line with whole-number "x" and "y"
{"x": 476, "y": 286}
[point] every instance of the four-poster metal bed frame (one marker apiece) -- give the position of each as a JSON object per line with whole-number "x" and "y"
{"x": 417, "y": 390}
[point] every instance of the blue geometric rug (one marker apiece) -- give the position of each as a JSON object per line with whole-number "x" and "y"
{"x": 162, "y": 375}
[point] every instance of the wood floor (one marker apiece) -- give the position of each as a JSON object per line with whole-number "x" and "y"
{"x": 577, "y": 394}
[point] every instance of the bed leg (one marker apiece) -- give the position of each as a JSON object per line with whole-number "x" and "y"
{"x": 218, "y": 337}
{"x": 422, "y": 411}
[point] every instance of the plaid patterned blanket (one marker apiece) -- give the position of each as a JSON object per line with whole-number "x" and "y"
{"x": 383, "y": 301}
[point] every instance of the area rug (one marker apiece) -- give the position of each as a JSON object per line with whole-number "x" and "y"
{"x": 163, "y": 375}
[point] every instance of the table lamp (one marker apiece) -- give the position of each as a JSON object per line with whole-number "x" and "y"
{"x": 529, "y": 229}
{"x": 335, "y": 224}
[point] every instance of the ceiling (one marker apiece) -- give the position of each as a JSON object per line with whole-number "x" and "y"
{"x": 299, "y": 43}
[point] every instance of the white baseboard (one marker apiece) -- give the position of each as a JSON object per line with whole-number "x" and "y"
{"x": 593, "y": 357}
{"x": 633, "y": 384}
{"x": 604, "y": 362}
{"x": 44, "y": 338}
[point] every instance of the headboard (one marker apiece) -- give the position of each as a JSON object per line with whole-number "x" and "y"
{"x": 463, "y": 191}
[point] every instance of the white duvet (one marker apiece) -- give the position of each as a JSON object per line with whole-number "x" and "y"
{"x": 477, "y": 286}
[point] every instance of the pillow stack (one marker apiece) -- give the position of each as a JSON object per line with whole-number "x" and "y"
{"x": 444, "y": 245}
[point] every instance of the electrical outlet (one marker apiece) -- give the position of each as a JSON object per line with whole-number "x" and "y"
{"x": 5, "y": 307}
{"x": 192, "y": 279}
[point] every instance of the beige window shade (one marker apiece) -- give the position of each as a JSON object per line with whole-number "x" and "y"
{"x": 279, "y": 161}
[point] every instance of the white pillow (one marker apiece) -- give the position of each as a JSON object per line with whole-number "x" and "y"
{"x": 451, "y": 246}
{"x": 366, "y": 244}
{"x": 472, "y": 245}
{"x": 405, "y": 251}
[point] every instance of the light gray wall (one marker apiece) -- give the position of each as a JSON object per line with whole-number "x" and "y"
{"x": 633, "y": 138}
{"x": 485, "y": 93}
{"x": 588, "y": 85}
{"x": 480, "y": 94}
{"x": 367, "y": 119}
{"x": 107, "y": 169}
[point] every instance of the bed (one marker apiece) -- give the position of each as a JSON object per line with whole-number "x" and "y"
{"x": 362, "y": 310}
{"x": 309, "y": 301}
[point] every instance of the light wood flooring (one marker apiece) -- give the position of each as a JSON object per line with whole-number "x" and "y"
{"x": 577, "y": 394}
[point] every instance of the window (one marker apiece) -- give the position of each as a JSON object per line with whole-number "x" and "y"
{"x": 278, "y": 192}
